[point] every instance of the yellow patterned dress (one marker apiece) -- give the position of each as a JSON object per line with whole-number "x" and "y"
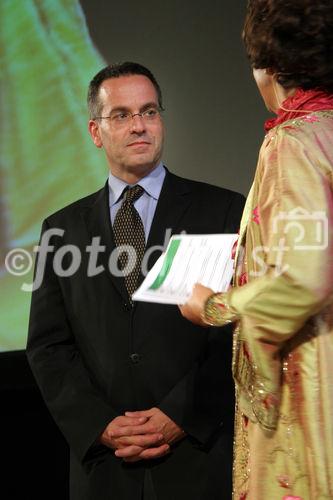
{"x": 283, "y": 344}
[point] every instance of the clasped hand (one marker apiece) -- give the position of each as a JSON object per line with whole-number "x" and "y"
{"x": 141, "y": 435}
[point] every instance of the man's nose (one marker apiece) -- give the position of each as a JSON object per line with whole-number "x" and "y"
{"x": 138, "y": 123}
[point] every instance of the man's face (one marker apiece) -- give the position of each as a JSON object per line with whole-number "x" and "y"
{"x": 133, "y": 147}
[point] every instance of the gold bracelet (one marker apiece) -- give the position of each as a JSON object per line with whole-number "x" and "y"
{"x": 217, "y": 311}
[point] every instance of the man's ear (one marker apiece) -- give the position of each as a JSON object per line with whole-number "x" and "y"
{"x": 93, "y": 128}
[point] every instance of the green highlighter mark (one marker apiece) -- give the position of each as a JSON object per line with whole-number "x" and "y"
{"x": 170, "y": 255}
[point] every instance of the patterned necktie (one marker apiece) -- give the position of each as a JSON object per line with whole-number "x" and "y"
{"x": 128, "y": 230}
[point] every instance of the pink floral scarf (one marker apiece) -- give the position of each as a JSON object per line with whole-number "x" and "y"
{"x": 302, "y": 100}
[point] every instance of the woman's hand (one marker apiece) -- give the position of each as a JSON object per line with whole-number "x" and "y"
{"x": 193, "y": 309}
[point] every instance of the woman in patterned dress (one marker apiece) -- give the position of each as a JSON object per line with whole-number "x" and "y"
{"x": 282, "y": 298}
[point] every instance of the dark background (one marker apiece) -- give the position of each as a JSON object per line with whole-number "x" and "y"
{"x": 214, "y": 118}
{"x": 214, "y": 113}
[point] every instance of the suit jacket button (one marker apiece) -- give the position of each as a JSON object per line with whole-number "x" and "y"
{"x": 135, "y": 358}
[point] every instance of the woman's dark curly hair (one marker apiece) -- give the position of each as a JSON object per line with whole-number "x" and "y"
{"x": 294, "y": 38}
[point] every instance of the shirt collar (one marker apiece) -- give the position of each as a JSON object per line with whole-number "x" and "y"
{"x": 151, "y": 183}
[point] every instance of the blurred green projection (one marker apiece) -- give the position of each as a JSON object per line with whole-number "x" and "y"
{"x": 47, "y": 158}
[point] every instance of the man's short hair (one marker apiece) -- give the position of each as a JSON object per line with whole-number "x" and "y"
{"x": 115, "y": 71}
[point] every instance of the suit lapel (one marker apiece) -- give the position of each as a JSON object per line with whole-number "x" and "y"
{"x": 99, "y": 225}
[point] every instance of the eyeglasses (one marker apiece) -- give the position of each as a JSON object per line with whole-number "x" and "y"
{"x": 119, "y": 118}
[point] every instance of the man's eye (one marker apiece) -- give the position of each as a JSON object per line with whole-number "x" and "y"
{"x": 151, "y": 113}
{"x": 119, "y": 117}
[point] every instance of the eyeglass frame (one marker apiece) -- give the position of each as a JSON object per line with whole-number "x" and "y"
{"x": 142, "y": 114}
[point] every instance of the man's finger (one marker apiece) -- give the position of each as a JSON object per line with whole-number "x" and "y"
{"x": 129, "y": 451}
{"x": 139, "y": 414}
{"x": 143, "y": 441}
{"x": 146, "y": 428}
{"x": 125, "y": 420}
{"x": 151, "y": 453}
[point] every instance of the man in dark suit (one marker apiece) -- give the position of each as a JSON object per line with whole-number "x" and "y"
{"x": 99, "y": 358}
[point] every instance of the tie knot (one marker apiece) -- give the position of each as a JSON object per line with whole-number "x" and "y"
{"x": 132, "y": 194}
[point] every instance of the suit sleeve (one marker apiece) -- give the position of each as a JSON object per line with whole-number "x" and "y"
{"x": 202, "y": 403}
{"x": 71, "y": 396}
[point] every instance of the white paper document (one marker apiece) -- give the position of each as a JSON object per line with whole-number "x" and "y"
{"x": 189, "y": 259}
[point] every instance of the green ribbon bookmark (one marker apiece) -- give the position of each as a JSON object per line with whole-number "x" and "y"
{"x": 168, "y": 259}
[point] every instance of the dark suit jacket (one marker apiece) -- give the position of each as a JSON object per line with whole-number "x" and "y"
{"x": 94, "y": 356}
